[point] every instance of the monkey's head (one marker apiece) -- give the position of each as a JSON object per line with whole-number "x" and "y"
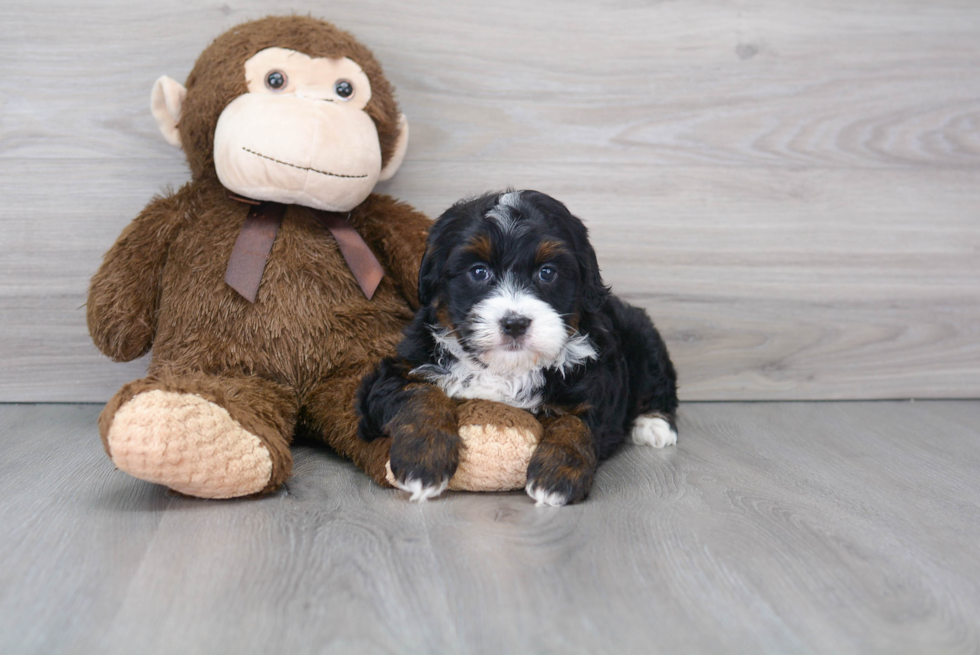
{"x": 287, "y": 109}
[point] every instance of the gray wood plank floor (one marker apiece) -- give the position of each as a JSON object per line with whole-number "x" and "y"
{"x": 770, "y": 528}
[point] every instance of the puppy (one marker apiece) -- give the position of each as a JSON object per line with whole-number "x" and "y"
{"x": 515, "y": 311}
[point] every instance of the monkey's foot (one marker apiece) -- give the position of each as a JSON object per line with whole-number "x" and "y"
{"x": 188, "y": 444}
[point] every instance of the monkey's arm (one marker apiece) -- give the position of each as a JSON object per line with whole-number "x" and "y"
{"x": 124, "y": 294}
{"x": 396, "y": 234}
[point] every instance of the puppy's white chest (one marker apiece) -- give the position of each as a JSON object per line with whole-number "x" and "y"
{"x": 464, "y": 379}
{"x": 511, "y": 382}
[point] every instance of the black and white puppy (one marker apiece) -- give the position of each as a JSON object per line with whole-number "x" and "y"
{"x": 515, "y": 311}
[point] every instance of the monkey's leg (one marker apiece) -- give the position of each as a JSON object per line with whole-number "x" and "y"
{"x": 330, "y": 415}
{"x": 204, "y": 436}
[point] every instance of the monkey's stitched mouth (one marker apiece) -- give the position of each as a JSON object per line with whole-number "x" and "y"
{"x": 302, "y": 168}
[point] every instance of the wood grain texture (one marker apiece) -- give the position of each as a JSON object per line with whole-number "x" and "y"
{"x": 770, "y": 528}
{"x": 791, "y": 189}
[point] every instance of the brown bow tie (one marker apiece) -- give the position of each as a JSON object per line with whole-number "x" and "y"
{"x": 251, "y": 251}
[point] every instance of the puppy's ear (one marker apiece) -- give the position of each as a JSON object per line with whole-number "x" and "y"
{"x": 446, "y": 233}
{"x": 593, "y": 292}
{"x": 433, "y": 263}
{"x": 437, "y": 249}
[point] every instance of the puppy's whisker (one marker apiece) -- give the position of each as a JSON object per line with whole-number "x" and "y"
{"x": 449, "y": 331}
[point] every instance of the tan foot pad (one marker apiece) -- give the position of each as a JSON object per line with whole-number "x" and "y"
{"x": 188, "y": 444}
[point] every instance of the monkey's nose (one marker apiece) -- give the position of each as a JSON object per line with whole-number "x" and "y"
{"x": 514, "y": 325}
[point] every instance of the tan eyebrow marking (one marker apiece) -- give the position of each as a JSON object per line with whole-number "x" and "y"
{"x": 481, "y": 246}
{"x": 548, "y": 250}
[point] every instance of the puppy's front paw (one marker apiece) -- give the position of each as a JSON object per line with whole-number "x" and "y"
{"x": 542, "y": 497}
{"x": 425, "y": 443}
{"x": 422, "y": 463}
{"x": 559, "y": 475}
{"x": 420, "y": 492}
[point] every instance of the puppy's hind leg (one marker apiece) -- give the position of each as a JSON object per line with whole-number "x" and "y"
{"x": 652, "y": 378}
{"x": 654, "y": 430}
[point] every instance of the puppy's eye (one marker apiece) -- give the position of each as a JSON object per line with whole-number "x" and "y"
{"x": 547, "y": 273}
{"x": 480, "y": 273}
{"x": 275, "y": 80}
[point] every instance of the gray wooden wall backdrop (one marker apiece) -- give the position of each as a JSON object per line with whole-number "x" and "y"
{"x": 792, "y": 188}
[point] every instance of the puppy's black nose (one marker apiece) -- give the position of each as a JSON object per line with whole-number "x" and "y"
{"x": 514, "y": 325}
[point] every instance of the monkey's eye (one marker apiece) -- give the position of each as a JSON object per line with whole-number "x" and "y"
{"x": 275, "y": 80}
{"x": 344, "y": 89}
{"x": 547, "y": 273}
{"x": 480, "y": 273}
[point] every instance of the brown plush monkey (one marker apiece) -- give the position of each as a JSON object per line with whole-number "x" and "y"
{"x": 253, "y": 283}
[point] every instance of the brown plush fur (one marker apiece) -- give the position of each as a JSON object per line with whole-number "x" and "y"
{"x": 294, "y": 358}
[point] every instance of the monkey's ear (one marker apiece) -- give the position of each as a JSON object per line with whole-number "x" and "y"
{"x": 399, "y": 154}
{"x": 166, "y": 101}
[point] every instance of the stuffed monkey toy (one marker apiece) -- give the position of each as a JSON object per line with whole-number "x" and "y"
{"x": 274, "y": 280}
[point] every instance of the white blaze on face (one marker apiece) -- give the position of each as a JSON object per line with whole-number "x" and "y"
{"x": 501, "y": 213}
{"x": 503, "y": 369}
{"x": 539, "y": 347}
{"x": 303, "y": 142}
